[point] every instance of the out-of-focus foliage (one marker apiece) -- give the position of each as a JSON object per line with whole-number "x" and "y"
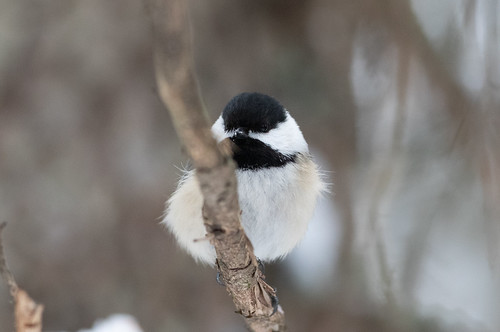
{"x": 398, "y": 99}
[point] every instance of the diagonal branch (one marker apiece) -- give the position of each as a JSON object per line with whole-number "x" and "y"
{"x": 178, "y": 90}
{"x": 460, "y": 106}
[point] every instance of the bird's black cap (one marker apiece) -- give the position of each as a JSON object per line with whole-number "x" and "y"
{"x": 254, "y": 111}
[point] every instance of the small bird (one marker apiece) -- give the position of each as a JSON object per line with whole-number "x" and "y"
{"x": 278, "y": 182}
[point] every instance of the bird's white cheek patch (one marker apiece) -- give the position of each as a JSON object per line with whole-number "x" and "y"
{"x": 286, "y": 138}
{"x": 218, "y": 130}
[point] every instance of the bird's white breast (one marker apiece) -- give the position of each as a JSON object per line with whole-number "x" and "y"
{"x": 277, "y": 204}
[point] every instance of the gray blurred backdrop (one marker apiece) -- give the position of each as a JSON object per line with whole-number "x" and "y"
{"x": 398, "y": 99}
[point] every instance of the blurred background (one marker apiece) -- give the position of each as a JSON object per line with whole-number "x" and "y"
{"x": 398, "y": 99}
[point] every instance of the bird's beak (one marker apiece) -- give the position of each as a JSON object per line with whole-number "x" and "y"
{"x": 240, "y": 133}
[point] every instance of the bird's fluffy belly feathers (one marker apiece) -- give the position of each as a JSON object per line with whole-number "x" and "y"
{"x": 275, "y": 209}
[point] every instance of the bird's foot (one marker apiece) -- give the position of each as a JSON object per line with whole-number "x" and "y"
{"x": 261, "y": 266}
{"x": 275, "y": 302}
{"x": 270, "y": 290}
{"x": 219, "y": 279}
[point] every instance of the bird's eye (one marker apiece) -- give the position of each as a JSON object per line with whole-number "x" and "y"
{"x": 264, "y": 128}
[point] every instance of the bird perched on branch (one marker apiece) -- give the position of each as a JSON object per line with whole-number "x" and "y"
{"x": 278, "y": 182}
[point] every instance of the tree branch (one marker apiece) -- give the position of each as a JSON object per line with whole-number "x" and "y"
{"x": 28, "y": 314}
{"x": 178, "y": 90}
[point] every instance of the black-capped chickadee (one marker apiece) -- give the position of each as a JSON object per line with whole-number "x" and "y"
{"x": 278, "y": 183}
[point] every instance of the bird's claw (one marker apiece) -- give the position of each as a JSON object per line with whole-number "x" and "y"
{"x": 261, "y": 266}
{"x": 274, "y": 298}
{"x": 275, "y": 302}
{"x": 219, "y": 279}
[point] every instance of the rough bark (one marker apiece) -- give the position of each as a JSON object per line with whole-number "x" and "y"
{"x": 178, "y": 89}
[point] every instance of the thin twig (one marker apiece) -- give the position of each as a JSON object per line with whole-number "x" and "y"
{"x": 28, "y": 314}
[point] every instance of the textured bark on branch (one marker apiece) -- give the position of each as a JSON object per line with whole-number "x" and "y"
{"x": 28, "y": 314}
{"x": 177, "y": 87}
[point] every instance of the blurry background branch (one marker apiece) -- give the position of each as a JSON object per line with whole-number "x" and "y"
{"x": 28, "y": 314}
{"x": 178, "y": 89}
